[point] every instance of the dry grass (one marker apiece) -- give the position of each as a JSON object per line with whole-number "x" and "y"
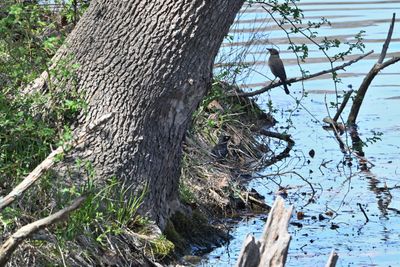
{"x": 217, "y": 184}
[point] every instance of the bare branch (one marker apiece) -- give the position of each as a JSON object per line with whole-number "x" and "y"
{"x": 370, "y": 76}
{"x": 343, "y": 105}
{"x": 9, "y": 246}
{"x": 388, "y": 63}
{"x": 285, "y": 152}
{"x": 364, "y": 87}
{"x": 387, "y": 41}
{"x": 49, "y": 162}
{"x": 298, "y": 79}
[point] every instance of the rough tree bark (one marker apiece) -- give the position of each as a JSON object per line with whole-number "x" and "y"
{"x": 149, "y": 63}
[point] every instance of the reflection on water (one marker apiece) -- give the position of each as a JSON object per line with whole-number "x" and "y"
{"x": 340, "y": 186}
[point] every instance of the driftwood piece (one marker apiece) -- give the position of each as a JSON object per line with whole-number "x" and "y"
{"x": 378, "y": 66}
{"x": 298, "y": 79}
{"x": 250, "y": 253}
{"x": 48, "y": 163}
{"x": 272, "y": 248}
{"x": 9, "y": 246}
{"x": 333, "y": 257}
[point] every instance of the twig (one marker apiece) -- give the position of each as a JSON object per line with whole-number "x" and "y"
{"x": 311, "y": 186}
{"x": 49, "y": 162}
{"x": 62, "y": 255}
{"x": 298, "y": 79}
{"x": 343, "y": 105}
{"x": 387, "y": 41}
{"x": 9, "y": 246}
{"x": 363, "y": 211}
{"x": 285, "y": 152}
{"x": 378, "y": 66}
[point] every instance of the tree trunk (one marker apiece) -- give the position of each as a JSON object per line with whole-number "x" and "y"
{"x": 149, "y": 63}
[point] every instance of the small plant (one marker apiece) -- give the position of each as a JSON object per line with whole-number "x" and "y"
{"x": 29, "y": 37}
{"x": 376, "y": 136}
{"x": 105, "y": 211}
{"x": 73, "y": 9}
{"x": 161, "y": 247}
{"x": 185, "y": 194}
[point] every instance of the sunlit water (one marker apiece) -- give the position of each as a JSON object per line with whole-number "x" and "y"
{"x": 338, "y": 188}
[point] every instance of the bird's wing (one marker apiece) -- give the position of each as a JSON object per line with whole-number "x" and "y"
{"x": 280, "y": 70}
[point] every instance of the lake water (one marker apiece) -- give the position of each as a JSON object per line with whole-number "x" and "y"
{"x": 338, "y": 187}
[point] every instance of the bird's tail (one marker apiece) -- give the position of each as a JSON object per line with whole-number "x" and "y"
{"x": 286, "y": 88}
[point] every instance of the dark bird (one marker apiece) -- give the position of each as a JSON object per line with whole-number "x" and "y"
{"x": 220, "y": 150}
{"x": 276, "y": 65}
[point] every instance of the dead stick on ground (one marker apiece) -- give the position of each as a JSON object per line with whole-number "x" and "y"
{"x": 378, "y": 66}
{"x": 293, "y": 80}
{"x": 246, "y": 198}
{"x": 9, "y": 246}
{"x": 48, "y": 163}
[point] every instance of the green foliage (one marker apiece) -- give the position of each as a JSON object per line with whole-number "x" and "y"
{"x": 24, "y": 140}
{"x": 7, "y": 219}
{"x": 26, "y": 44}
{"x": 31, "y": 123}
{"x": 73, "y": 9}
{"x": 376, "y": 136}
{"x": 64, "y": 105}
{"x": 105, "y": 211}
{"x": 161, "y": 246}
{"x": 185, "y": 194}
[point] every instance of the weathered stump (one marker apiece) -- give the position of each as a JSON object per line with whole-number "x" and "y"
{"x": 272, "y": 248}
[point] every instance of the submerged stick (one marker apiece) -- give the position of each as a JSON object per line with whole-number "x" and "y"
{"x": 363, "y": 211}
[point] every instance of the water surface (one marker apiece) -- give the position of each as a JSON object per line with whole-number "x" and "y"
{"x": 338, "y": 188}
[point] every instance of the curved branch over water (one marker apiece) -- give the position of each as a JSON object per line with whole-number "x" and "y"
{"x": 378, "y": 66}
{"x": 298, "y": 79}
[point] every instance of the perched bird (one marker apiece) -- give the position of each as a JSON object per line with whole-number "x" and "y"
{"x": 220, "y": 150}
{"x": 276, "y": 65}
